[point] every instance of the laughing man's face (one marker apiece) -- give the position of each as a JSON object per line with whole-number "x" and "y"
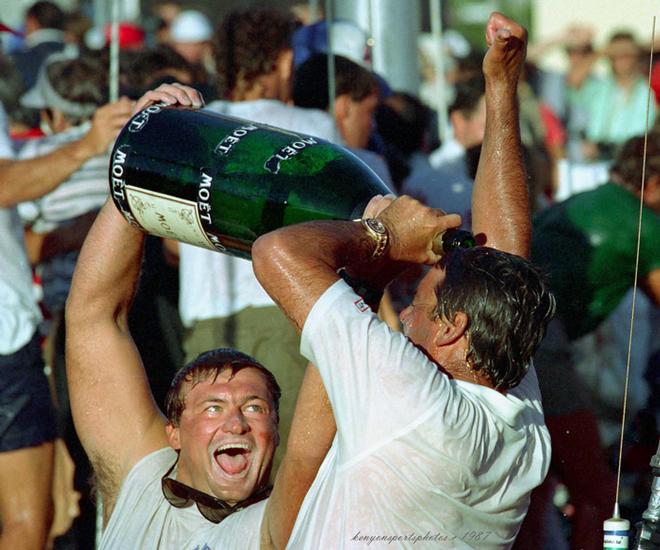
{"x": 227, "y": 435}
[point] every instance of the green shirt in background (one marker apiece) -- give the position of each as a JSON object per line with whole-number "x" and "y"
{"x": 586, "y": 245}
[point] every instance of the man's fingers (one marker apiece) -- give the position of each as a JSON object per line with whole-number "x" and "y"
{"x": 196, "y": 98}
{"x": 171, "y": 94}
{"x": 377, "y": 204}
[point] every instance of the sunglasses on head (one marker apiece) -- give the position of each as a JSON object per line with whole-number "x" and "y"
{"x": 213, "y": 509}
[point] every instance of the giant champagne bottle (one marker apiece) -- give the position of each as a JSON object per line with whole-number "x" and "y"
{"x": 220, "y": 182}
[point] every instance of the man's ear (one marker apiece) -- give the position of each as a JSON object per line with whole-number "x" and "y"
{"x": 284, "y": 72}
{"x": 652, "y": 193}
{"x": 173, "y": 436}
{"x": 342, "y": 107}
{"x": 457, "y": 121}
{"x": 284, "y": 65}
{"x": 450, "y": 332}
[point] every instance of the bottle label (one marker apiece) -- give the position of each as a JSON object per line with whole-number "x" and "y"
{"x": 170, "y": 217}
{"x": 615, "y": 540}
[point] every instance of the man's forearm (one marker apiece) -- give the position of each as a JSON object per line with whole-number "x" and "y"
{"x": 108, "y": 268}
{"x": 24, "y": 180}
{"x": 500, "y": 201}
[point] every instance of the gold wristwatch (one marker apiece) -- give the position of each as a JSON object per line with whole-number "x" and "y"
{"x": 378, "y": 232}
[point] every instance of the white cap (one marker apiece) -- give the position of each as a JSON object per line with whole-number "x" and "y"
{"x": 349, "y": 40}
{"x": 191, "y": 26}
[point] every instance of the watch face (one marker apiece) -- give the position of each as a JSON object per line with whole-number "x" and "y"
{"x": 376, "y": 225}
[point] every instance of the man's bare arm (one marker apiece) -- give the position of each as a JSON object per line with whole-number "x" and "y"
{"x": 500, "y": 202}
{"x": 115, "y": 415}
{"x": 24, "y": 180}
{"x": 312, "y": 431}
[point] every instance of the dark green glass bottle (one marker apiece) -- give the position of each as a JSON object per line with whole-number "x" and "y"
{"x": 220, "y": 182}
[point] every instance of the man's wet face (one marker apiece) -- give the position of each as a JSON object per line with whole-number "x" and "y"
{"x": 227, "y": 435}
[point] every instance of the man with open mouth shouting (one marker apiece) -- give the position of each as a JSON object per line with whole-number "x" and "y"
{"x": 165, "y": 482}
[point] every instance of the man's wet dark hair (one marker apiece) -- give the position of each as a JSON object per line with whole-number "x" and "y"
{"x": 508, "y": 304}
{"x": 247, "y": 44}
{"x": 210, "y": 365}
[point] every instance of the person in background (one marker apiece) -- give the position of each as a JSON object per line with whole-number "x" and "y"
{"x": 616, "y": 105}
{"x": 403, "y": 122}
{"x": 28, "y": 429}
{"x": 447, "y": 184}
{"x": 44, "y": 35}
{"x": 71, "y": 95}
{"x": 356, "y": 99}
{"x": 587, "y": 245}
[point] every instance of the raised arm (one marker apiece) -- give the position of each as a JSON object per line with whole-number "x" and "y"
{"x": 296, "y": 264}
{"x": 114, "y": 412}
{"x": 500, "y": 202}
{"x": 24, "y": 180}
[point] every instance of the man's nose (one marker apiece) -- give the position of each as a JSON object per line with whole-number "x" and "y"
{"x": 235, "y": 423}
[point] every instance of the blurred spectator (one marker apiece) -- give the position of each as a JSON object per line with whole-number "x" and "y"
{"x": 403, "y": 122}
{"x": 20, "y": 121}
{"x": 587, "y": 245}
{"x": 76, "y": 27}
{"x": 164, "y": 12}
{"x": 542, "y": 138}
{"x": 26, "y": 472}
{"x": 356, "y": 99}
{"x": 28, "y": 418}
{"x": 67, "y": 94}
{"x": 455, "y": 50}
{"x": 348, "y": 40}
{"x": 616, "y": 105}
{"x": 70, "y": 95}
{"x": 447, "y": 182}
{"x": 153, "y": 67}
{"x": 561, "y": 92}
{"x": 44, "y": 35}
{"x": 221, "y": 302}
{"x": 190, "y": 37}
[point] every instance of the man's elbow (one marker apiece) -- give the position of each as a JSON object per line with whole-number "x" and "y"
{"x": 267, "y": 253}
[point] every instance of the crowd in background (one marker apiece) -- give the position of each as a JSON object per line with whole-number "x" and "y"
{"x": 54, "y": 93}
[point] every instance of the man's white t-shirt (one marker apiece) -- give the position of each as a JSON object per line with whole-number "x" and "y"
{"x": 419, "y": 460}
{"x": 216, "y": 285}
{"x": 142, "y": 519}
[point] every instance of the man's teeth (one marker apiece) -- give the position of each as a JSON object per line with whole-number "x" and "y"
{"x": 232, "y": 446}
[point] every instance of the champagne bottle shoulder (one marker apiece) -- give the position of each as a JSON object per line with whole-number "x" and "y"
{"x": 220, "y": 182}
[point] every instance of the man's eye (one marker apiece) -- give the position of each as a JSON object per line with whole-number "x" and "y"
{"x": 213, "y": 408}
{"x": 254, "y": 407}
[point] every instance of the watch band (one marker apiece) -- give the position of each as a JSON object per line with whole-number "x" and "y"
{"x": 378, "y": 232}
